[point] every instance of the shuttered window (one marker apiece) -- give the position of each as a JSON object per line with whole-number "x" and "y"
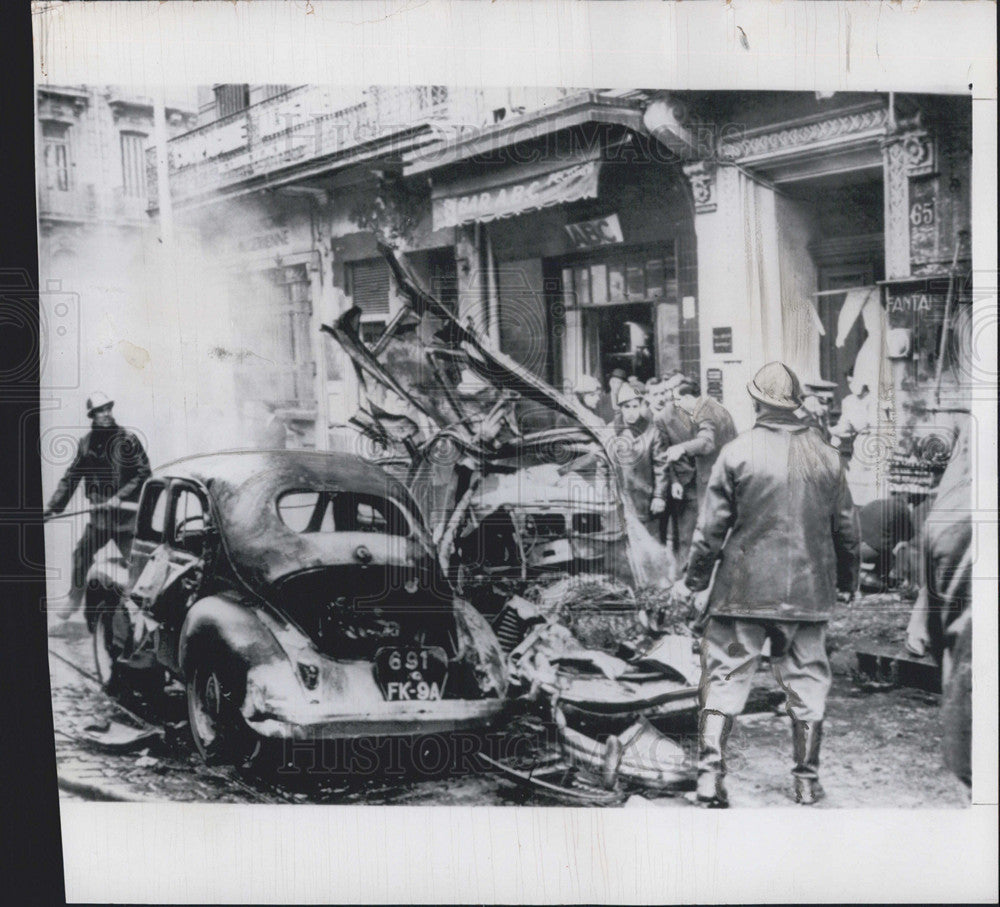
{"x": 230, "y": 99}
{"x": 134, "y": 164}
{"x": 272, "y": 91}
{"x": 57, "y": 159}
{"x": 368, "y": 285}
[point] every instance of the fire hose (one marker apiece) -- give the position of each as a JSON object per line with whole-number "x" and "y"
{"x": 96, "y": 508}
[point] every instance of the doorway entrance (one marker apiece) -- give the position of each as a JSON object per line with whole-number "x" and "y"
{"x": 619, "y": 310}
{"x": 625, "y": 338}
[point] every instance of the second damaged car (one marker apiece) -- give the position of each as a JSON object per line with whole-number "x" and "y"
{"x": 297, "y": 596}
{"x": 521, "y": 489}
{"x": 512, "y": 476}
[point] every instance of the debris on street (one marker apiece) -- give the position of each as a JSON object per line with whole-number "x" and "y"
{"x": 117, "y": 737}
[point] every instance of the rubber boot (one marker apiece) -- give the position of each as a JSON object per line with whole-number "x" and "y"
{"x": 713, "y": 732}
{"x": 806, "y": 737}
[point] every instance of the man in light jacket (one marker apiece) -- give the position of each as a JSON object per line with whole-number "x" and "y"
{"x": 638, "y": 453}
{"x": 779, "y": 519}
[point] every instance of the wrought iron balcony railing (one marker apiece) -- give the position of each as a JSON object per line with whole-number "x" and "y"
{"x": 317, "y": 123}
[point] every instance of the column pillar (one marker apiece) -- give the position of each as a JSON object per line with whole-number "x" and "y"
{"x": 728, "y": 329}
{"x": 905, "y": 154}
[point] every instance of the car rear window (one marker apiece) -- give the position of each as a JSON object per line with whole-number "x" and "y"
{"x": 340, "y": 511}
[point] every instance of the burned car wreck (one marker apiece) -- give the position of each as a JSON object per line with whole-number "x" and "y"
{"x": 297, "y": 596}
{"x": 524, "y": 502}
{"x": 513, "y": 477}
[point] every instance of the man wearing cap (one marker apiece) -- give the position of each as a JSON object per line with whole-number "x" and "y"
{"x": 779, "y": 520}
{"x": 714, "y": 429}
{"x": 112, "y": 464}
{"x": 638, "y": 452}
{"x": 588, "y": 392}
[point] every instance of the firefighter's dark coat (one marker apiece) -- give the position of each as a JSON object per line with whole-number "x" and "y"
{"x": 109, "y": 462}
{"x": 794, "y": 532}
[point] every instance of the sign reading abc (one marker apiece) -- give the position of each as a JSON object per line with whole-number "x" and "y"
{"x": 589, "y": 234}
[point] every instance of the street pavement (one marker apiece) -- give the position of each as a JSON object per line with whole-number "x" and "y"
{"x": 882, "y": 749}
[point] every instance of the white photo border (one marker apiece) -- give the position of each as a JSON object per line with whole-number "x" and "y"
{"x": 212, "y": 853}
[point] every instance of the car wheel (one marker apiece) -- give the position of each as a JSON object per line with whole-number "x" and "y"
{"x": 106, "y": 651}
{"x": 220, "y": 733}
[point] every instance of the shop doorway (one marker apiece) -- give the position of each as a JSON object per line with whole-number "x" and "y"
{"x": 619, "y": 309}
{"x": 625, "y": 339}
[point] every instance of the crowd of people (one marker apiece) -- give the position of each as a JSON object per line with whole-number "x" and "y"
{"x": 767, "y": 528}
{"x": 664, "y": 435}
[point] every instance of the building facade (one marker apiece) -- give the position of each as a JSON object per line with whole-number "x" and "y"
{"x": 91, "y": 144}
{"x": 97, "y": 248}
{"x": 585, "y": 231}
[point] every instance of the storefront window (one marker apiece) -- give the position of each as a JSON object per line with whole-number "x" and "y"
{"x": 916, "y": 317}
{"x": 611, "y": 305}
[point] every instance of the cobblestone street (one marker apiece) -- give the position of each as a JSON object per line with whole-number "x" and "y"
{"x": 171, "y": 769}
{"x": 884, "y": 747}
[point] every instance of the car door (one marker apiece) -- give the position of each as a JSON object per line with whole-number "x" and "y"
{"x": 173, "y": 570}
{"x": 150, "y": 528}
{"x": 191, "y": 536}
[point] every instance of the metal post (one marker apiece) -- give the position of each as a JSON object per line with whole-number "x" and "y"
{"x": 162, "y": 165}
{"x": 492, "y": 292}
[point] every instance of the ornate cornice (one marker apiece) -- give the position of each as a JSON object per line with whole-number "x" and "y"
{"x": 78, "y": 98}
{"x": 60, "y": 105}
{"x": 818, "y": 132}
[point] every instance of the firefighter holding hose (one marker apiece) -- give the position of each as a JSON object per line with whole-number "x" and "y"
{"x": 112, "y": 464}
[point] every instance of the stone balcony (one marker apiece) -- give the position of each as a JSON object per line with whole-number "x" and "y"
{"x": 86, "y": 205}
{"x": 77, "y": 204}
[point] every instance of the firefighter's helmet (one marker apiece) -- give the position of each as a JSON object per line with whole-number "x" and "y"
{"x": 96, "y": 401}
{"x": 776, "y": 385}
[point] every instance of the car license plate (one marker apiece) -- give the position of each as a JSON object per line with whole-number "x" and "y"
{"x": 411, "y": 673}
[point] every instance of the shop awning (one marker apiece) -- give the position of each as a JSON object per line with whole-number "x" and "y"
{"x": 490, "y": 198}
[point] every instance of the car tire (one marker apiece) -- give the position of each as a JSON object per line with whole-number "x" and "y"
{"x": 109, "y": 671}
{"x": 219, "y": 731}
